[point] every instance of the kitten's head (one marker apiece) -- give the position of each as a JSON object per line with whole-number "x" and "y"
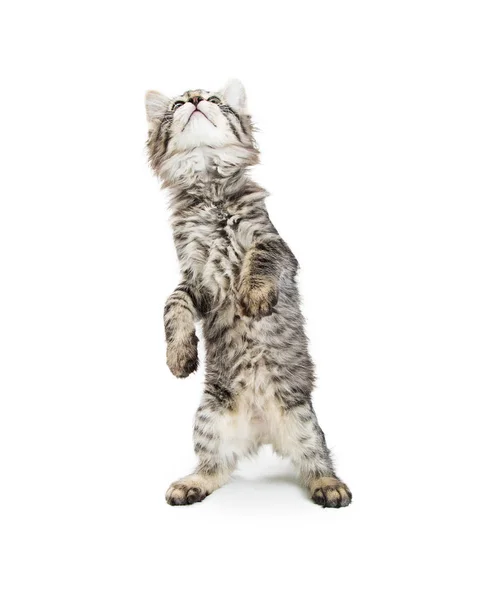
{"x": 217, "y": 123}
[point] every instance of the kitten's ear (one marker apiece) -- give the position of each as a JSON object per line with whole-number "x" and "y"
{"x": 235, "y": 95}
{"x": 156, "y": 105}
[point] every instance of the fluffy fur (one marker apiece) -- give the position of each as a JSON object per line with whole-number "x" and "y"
{"x": 238, "y": 279}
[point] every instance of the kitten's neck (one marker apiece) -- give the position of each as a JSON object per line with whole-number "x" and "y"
{"x": 208, "y": 173}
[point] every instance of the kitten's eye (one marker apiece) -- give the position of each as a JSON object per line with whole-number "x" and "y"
{"x": 214, "y": 99}
{"x": 177, "y": 104}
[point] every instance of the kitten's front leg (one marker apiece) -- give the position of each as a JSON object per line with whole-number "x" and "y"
{"x": 258, "y": 296}
{"x": 179, "y": 317}
{"x": 258, "y": 283}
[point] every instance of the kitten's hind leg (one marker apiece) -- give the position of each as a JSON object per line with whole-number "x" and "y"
{"x": 221, "y": 436}
{"x": 299, "y": 437}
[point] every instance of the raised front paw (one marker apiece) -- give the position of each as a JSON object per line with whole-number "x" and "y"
{"x": 257, "y": 296}
{"x": 330, "y": 492}
{"x": 182, "y": 357}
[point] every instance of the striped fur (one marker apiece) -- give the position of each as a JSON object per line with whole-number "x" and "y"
{"x": 239, "y": 280}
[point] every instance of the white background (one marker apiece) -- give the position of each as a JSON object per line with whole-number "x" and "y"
{"x": 369, "y": 129}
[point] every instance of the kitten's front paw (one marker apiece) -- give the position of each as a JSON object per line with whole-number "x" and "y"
{"x": 182, "y": 357}
{"x": 257, "y": 296}
{"x": 330, "y": 492}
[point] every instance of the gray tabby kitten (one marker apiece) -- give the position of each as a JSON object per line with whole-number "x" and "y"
{"x": 238, "y": 278}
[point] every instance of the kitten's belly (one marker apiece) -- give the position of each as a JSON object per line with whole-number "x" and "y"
{"x": 238, "y": 348}
{"x": 255, "y": 401}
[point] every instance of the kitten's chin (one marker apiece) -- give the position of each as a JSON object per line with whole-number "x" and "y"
{"x": 200, "y": 131}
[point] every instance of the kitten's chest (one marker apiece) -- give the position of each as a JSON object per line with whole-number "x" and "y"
{"x": 209, "y": 248}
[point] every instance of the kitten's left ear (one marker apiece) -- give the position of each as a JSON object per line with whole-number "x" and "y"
{"x": 235, "y": 95}
{"x": 156, "y": 105}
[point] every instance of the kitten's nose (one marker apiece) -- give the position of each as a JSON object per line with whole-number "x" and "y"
{"x": 196, "y": 100}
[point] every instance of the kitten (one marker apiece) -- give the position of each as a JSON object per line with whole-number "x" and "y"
{"x": 238, "y": 278}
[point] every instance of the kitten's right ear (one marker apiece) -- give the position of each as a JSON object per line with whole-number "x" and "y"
{"x": 235, "y": 95}
{"x": 156, "y": 105}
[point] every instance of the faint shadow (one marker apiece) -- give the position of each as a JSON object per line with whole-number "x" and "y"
{"x": 287, "y": 479}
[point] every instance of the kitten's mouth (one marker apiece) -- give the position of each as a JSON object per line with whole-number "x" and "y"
{"x": 197, "y": 111}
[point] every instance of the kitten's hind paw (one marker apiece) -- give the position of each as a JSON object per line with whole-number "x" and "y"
{"x": 330, "y": 492}
{"x": 180, "y": 494}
